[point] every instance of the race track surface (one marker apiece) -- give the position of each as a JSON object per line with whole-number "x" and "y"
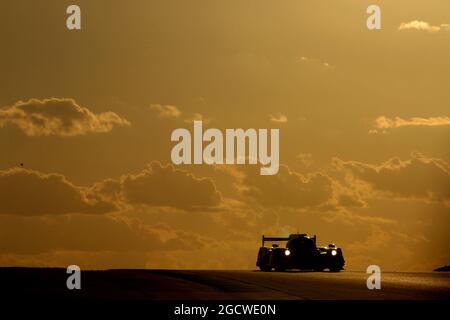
{"x": 46, "y": 283}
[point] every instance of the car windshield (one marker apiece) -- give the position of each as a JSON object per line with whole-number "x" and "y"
{"x": 301, "y": 243}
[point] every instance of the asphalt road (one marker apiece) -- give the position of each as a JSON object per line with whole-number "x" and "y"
{"x": 215, "y": 284}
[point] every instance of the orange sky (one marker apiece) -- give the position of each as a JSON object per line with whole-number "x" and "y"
{"x": 363, "y": 116}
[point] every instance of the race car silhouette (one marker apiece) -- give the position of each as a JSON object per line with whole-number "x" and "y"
{"x": 301, "y": 252}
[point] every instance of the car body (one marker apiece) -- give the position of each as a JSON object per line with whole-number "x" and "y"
{"x": 301, "y": 252}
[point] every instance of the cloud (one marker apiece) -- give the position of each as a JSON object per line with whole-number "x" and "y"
{"x": 162, "y": 186}
{"x": 384, "y": 122}
{"x": 392, "y": 246}
{"x": 197, "y": 117}
{"x": 81, "y": 233}
{"x": 318, "y": 62}
{"x": 306, "y": 159}
{"x": 279, "y": 118}
{"x": 58, "y": 117}
{"x": 288, "y": 188}
{"x": 166, "y": 111}
{"x": 352, "y": 195}
{"x": 422, "y": 26}
{"x": 420, "y": 177}
{"x": 27, "y": 192}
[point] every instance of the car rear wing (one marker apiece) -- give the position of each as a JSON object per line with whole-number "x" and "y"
{"x": 264, "y": 239}
{"x": 274, "y": 239}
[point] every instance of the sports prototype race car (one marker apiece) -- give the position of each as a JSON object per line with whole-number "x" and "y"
{"x": 301, "y": 252}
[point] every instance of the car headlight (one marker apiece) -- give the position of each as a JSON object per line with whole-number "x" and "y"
{"x": 333, "y": 252}
{"x": 287, "y": 252}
